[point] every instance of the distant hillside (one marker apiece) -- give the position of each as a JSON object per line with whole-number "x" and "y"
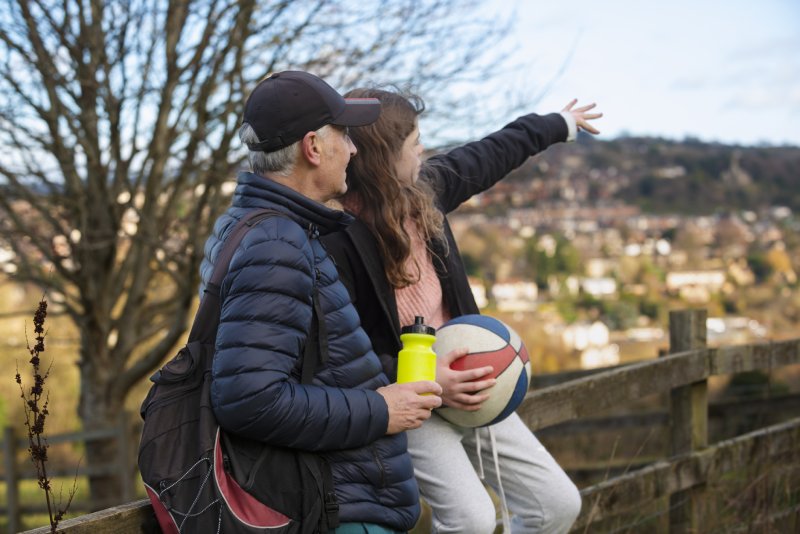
{"x": 668, "y": 176}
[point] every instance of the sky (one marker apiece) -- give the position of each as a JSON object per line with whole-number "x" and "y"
{"x": 718, "y": 70}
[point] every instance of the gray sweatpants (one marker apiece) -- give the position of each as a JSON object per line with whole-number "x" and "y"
{"x": 539, "y": 494}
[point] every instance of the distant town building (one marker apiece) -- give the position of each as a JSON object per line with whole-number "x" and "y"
{"x": 580, "y": 336}
{"x": 644, "y": 334}
{"x": 600, "y": 287}
{"x": 710, "y": 280}
{"x": 732, "y": 330}
{"x": 675, "y": 171}
{"x": 6, "y": 259}
{"x": 595, "y": 357}
{"x": 740, "y": 273}
{"x": 511, "y": 296}
{"x": 478, "y": 291}
{"x": 600, "y": 267}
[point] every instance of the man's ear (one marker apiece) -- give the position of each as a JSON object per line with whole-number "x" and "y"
{"x": 311, "y": 148}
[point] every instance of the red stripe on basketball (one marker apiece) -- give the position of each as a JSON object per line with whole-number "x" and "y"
{"x": 523, "y": 354}
{"x": 498, "y": 359}
{"x": 244, "y": 506}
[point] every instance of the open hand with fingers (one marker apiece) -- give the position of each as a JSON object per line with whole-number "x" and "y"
{"x": 582, "y": 116}
{"x": 410, "y": 404}
{"x": 462, "y": 389}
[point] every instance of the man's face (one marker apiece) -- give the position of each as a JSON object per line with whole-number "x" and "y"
{"x": 337, "y": 149}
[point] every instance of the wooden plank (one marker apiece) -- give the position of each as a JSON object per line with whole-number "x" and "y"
{"x": 760, "y": 356}
{"x": 79, "y": 470}
{"x": 683, "y": 472}
{"x": 605, "y": 424}
{"x": 781, "y": 404}
{"x": 593, "y": 394}
{"x": 785, "y": 353}
{"x": 131, "y": 518}
{"x": 774, "y": 404}
{"x": 539, "y": 381}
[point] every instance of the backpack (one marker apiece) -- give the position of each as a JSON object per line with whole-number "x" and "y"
{"x": 202, "y": 479}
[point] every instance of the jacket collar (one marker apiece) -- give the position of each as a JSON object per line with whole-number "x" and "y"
{"x": 254, "y": 191}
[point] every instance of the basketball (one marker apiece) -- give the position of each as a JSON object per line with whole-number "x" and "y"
{"x": 490, "y": 342}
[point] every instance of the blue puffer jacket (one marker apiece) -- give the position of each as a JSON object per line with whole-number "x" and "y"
{"x": 265, "y": 316}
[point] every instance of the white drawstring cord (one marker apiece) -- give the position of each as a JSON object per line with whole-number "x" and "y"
{"x": 480, "y": 458}
{"x": 503, "y": 504}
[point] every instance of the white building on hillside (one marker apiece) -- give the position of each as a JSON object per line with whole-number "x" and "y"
{"x": 478, "y": 291}
{"x": 515, "y": 296}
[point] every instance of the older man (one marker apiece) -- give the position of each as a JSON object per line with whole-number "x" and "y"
{"x": 296, "y": 129}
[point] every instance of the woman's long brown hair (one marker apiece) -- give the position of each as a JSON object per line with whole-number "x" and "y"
{"x": 382, "y": 200}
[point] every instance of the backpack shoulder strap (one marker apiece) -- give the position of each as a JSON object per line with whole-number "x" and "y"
{"x": 206, "y": 321}
{"x": 204, "y": 327}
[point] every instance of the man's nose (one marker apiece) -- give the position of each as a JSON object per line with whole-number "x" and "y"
{"x": 352, "y": 147}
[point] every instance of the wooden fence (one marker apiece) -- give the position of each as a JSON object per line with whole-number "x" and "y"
{"x": 683, "y": 374}
{"x": 13, "y": 474}
{"x": 678, "y": 481}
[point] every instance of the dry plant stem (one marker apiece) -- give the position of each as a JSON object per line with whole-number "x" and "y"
{"x": 597, "y": 500}
{"x": 593, "y": 510}
{"x": 36, "y": 414}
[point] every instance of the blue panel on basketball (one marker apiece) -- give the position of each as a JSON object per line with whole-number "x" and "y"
{"x": 490, "y": 342}
{"x": 515, "y": 400}
{"x": 484, "y": 321}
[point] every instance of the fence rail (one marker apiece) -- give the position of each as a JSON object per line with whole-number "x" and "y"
{"x": 13, "y": 474}
{"x": 681, "y": 478}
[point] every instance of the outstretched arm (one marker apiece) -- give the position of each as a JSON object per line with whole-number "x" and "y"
{"x": 472, "y": 168}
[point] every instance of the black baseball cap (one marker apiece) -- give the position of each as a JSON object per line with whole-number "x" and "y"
{"x": 287, "y": 105}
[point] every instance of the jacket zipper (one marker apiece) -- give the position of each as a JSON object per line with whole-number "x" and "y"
{"x": 378, "y": 462}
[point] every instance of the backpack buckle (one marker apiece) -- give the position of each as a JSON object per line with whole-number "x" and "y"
{"x": 331, "y": 503}
{"x": 332, "y": 509}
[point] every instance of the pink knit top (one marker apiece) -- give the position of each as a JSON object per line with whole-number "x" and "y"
{"x": 423, "y": 298}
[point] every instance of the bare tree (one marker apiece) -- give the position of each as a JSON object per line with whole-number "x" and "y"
{"x": 117, "y": 126}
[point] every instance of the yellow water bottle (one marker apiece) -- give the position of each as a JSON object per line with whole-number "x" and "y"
{"x": 416, "y": 360}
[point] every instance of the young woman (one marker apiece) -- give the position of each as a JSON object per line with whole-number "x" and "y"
{"x": 399, "y": 259}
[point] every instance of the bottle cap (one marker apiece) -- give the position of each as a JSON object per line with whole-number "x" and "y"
{"x": 419, "y": 327}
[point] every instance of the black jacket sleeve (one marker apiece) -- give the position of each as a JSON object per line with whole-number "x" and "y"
{"x": 474, "y": 167}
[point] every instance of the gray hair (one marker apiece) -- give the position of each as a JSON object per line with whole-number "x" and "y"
{"x": 280, "y": 162}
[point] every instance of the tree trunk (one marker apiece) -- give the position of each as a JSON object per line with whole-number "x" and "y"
{"x": 100, "y": 408}
{"x": 105, "y": 490}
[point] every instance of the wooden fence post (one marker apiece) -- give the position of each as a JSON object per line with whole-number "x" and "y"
{"x": 688, "y": 416}
{"x": 124, "y": 457}
{"x": 12, "y": 479}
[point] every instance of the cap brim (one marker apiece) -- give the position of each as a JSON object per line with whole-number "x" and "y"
{"x": 358, "y": 112}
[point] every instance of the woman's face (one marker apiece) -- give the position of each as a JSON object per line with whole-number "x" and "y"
{"x": 408, "y": 162}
